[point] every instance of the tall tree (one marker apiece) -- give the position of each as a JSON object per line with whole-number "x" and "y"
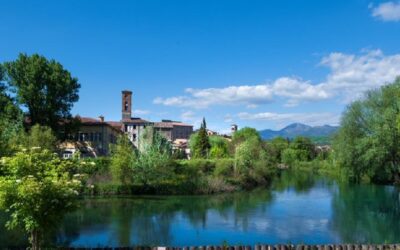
{"x": 123, "y": 157}
{"x": 44, "y": 87}
{"x": 10, "y": 118}
{"x": 201, "y": 145}
{"x": 368, "y": 142}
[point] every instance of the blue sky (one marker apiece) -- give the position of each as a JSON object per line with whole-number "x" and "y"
{"x": 263, "y": 64}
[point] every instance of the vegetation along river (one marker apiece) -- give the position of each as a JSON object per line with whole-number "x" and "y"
{"x": 298, "y": 208}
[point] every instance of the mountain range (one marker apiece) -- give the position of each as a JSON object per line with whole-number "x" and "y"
{"x": 299, "y": 129}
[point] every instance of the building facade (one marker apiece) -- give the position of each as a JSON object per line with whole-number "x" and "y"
{"x": 173, "y": 130}
{"x": 93, "y": 138}
{"x": 133, "y": 127}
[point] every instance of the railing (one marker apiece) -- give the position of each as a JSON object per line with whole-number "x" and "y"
{"x": 261, "y": 247}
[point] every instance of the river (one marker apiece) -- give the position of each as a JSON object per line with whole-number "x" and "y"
{"x": 298, "y": 208}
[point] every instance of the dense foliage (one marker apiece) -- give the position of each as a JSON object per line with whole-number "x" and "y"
{"x": 10, "y": 118}
{"x": 44, "y": 87}
{"x": 36, "y": 191}
{"x": 200, "y": 142}
{"x": 367, "y": 144}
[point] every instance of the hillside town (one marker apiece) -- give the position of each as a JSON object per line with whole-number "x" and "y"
{"x": 96, "y": 134}
{"x": 200, "y": 125}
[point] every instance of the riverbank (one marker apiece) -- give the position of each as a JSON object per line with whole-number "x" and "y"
{"x": 183, "y": 177}
{"x": 324, "y": 210}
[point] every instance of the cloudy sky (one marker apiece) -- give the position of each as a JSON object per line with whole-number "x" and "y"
{"x": 263, "y": 64}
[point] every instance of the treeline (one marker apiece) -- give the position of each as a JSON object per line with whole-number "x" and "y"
{"x": 367, "y": 146}
{"x": 217, "y": 164}
{"x": 35, "y": 91}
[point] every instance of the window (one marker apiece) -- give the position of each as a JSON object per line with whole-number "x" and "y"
{"x": 134, "y": 126}
{"x": 126, "y": 106}
{"x": 67, "y": 154}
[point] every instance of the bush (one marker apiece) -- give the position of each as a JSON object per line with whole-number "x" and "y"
{"x": 204, "y": 165}
{"x": 224, "y": 167}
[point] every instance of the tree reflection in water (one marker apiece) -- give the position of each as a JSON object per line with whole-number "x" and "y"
{"x": 148, "y": 220}
{"x": 298, "y": 208}
{"x": 367, "y": 213}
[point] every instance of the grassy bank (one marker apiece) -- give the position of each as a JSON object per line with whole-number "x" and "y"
{"x": 198, "y": 176}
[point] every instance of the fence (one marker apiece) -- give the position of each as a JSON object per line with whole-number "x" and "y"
{"x": 260, "y": 247}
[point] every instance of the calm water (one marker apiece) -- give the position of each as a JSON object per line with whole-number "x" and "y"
{"x": 297, "y": 209}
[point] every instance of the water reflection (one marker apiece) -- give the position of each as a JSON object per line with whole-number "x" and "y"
{"x": 299, "y": 208}
{"x": 367, "y": 213}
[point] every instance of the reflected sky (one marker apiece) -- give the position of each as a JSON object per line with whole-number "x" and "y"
{"x": 296, "y": 209}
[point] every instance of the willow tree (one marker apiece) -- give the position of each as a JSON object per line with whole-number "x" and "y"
{"x": 368, "y": 142}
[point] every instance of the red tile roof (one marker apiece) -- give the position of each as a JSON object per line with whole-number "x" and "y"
{"x": 135, "y": 120}
{"x": 94, "y": 121}
{"x": 170, "y": 124}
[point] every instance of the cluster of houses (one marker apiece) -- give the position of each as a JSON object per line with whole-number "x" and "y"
{"x": 96, "y": 134}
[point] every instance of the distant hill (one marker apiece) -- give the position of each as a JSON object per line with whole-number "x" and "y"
{"x": 320, "y": 134}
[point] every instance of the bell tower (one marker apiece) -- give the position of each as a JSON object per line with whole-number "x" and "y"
{"x": 126, "y": 104}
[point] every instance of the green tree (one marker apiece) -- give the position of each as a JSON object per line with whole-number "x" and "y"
{"x": 36, "y": 193}
{"x": 123, "y": 158}
{"x": 41, "y": 137}
{"x": 247, "y": 153}
{"x": 201, "y": 143}
{"x": 275, "y": 148}
{"x": 252, "y": 164}
{"x": 219, "y": 147}
{"x": 244, "y": 134}
{"x": 44, "y": 87}
{"x": 368, "y": 142}
{"x": 304, "y": 147}
{"x": 10, "y": 119}
{"x": 154, "y": 159}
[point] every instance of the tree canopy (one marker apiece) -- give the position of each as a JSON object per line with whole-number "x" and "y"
{"x": 36, "y": 192}
{"x": 200, "y": 143}
{"x": 367, "y": 144}
{"x": 10, "y": 118}
{"x": 44, "y": 87}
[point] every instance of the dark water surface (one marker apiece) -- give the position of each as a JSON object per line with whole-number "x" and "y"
{"x": 297, "y": 209}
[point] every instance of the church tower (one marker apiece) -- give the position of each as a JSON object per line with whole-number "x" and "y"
{"x": 126, "y": 104}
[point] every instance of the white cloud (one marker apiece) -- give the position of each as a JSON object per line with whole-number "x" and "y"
{"x": 285, "y": 118}
{"x": 388, "y": 11}
{"x": 187, "y": 116}
{"x": 191, "y": 117}
{"x": 228, "y": 118}
{"x": 140, "y": 112}
{"x": 350, "y": 75}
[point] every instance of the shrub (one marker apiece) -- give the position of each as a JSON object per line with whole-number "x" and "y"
{"x": 204, "y": 165}
{"x": 224, "y": 167}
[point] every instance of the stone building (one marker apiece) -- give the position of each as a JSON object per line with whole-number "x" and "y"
{"x": 173, "y": 130}
{"x": 95, "y": 135}
{"x": 132, "y": 126}
{"x": 93, "y": 138}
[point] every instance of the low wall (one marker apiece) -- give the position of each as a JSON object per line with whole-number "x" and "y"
{"x": 260, "y": 247}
